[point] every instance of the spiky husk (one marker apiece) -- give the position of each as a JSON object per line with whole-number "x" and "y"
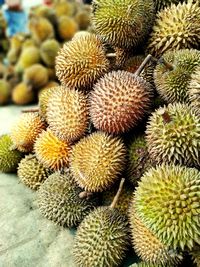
{"x": 123, "y": 23}
{"x": 119, "y": 101}
{"x": 194, "y": 90}
{"x": 124, "y": 199}
{"x": 81, "y": 62}
{"x": 58, "y": 200}
{"x": 67, "y": 27}
{"x": 176, "y": 27}
{"x": 48, "y": 51}
{"x": 21, "y": 95}
{"x": 167, "y": 202}
{"x": 173, "y": 84}
{"x": 31, "y": 172}
{"x": 161, "y": 4}
{"x": 173, "y": 135}
{"x": 102, "y": 239}
{"x": 145, "y": 264}
{"x": 9, "y": 158}
{"x": 195, "y": 253}
{"x": 97, "y": 160}
{"x": 25, "y": 131}
{"x": 67, "y": 113}
{"x": 147, "y": 246}
{"x": 44, "y": 99}
{"x": 138, "y": 159}
{"x": 52, "y": 152}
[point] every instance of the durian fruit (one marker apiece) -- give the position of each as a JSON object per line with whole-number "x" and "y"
{"x": 25, "y": 131}
{"x": 161, "y": 4}
{"x": 44, "y": 96}
{"x": 97, "y": 160}
{"x": 36, "y": 76}
{"x": 49, "y": 85}
{"x": 172, "y": 77}
{"x": 123, "y": 23}
{"x": 5, "y": 92}
{"x": 81, "y": 34}
{"x": 195, "y": 253}
{"x": 119, "y": 101}
{"x": 31, "y": 172}
{"x": 138, "y": 159}
{"x": 64, "y": 8}
{"x": 52, "y": 152}
{"x": 102, "y": 238}
{"x": 46, "y": 12}
{"x": 124, "y": 199}
{"x": 48, "y": 51}
{"x": 176, "y": 27}
{"x": 9, "y": 158}
{"x": 67, "y": 27}
{"x": 52, "y": 74}
{"x": 81, "y": 62}
{"x": 15, "y": 48}
{"x": 59, "y": 200}
{"x": 41, "y": 29}
{"x": 67, "y": 113}
{"x": 173, "y": 135}
{"x": 29, "y": 42}
{"x": 145, "y": 264}
{"x": 28, "y": 57}
{"x": 147, "y": 246}
{"x": 83, "y": 19}
{"x": 194, "y": 89}
{"x": 167, "y": 202}
{"x": 21, "y": 95}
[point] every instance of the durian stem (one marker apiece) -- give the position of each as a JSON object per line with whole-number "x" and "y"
{"x": 116, "y": 198}
{"x": 85, "y": 194}
{"x": 166, "y": 64}
{"x": 143, "y": 65}
{"x": 111, "y": 55}
{"x": 30, "y": 110}
{"x": 165, "y": 115}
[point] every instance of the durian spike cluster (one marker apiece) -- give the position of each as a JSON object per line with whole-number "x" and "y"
{"x": 117, "y": 112}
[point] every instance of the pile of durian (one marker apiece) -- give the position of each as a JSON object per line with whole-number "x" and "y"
{"x": 30, "y": 59}
{"x": 115, "y": 149}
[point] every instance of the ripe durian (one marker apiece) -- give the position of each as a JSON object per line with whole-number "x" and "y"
{"x": 59, "y": 200}
{"x": 9, "y": 158}
{"x": 173, "y": 135}
{"x": 81, "y": 62}
{"x": 161, "y": 4}
{"x": 52, "y": 152}
{"x": 173, "y": 77}
{"x": 83, "y": 19}
{"x": 67, "y": 27}
{"x": 36, "y": 76}
{"x": 123, "y": 23}
{"x": 119, "y": 101}
{"x": 102, "y": 238}
{"x": 147, "y": 246}
{"x": 21, "y": 95}
{"x": 167, "y": 202}
{"x": 64, "y": 8}
{"x": 25, "y": 131}
{"x": 48, "y": 51}
{"x": 5, "y": 92}
{"x": 41, "y": 29}
{"x": 138, "y": 159}
{"x": 28, "y": 57}
{"x": 49, "y": 85}
{"x": 44, "y": 96}
{"x": 97, "y": 160}
{"x": 31, "y": 172}
{"x": 176, "y": 27}
{"x": 15, "y": 48}
{"x": 67, "y": 113}
{"x": 194, "y": 90}
{"x": 52, "y": 73}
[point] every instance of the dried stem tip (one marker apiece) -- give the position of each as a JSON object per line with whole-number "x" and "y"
{"x": 116, "y": 198}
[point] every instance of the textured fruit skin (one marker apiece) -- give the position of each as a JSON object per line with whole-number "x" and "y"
{"x": 31, "y": 172}
{"x": 167, "y": 202}
{"x": 173, "y": 85}
{"x": 9, "y": 159}
{"x": 176, "y": 27}
{"x": 48, "y": 51}
{"x": 64, "y": 8}
{"x": 176, "y": 141}
{"x": 81, "y": 62}
{"x": 161, "y": 4}
{"x": 4, "y": 92}
{"x": 52, "y": 152}
{"x": 25, "y": 131}
{"x": 138, "y": 159}
{"x": 123, "y": 23}
{"x": 58, "y": 200}
{"x": 106, "y": 157}
{"x": 82, "y": 18}
{"x": 102, "y": 239}
{"x": 36, "y": 76}
{"x": 21, "y": 95}
{"x": 195, "y": 253}
{"x": 124, "y": 199}
{"x": 194, "y": 90}
{"x": 147, "y": 246}
{"x": 44, "y": 96}
{"x": 145, "y": 264}
{"x": 67, "y": 27}
{"x": 119, "y": 101}
{"x": 67, "y": 113}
